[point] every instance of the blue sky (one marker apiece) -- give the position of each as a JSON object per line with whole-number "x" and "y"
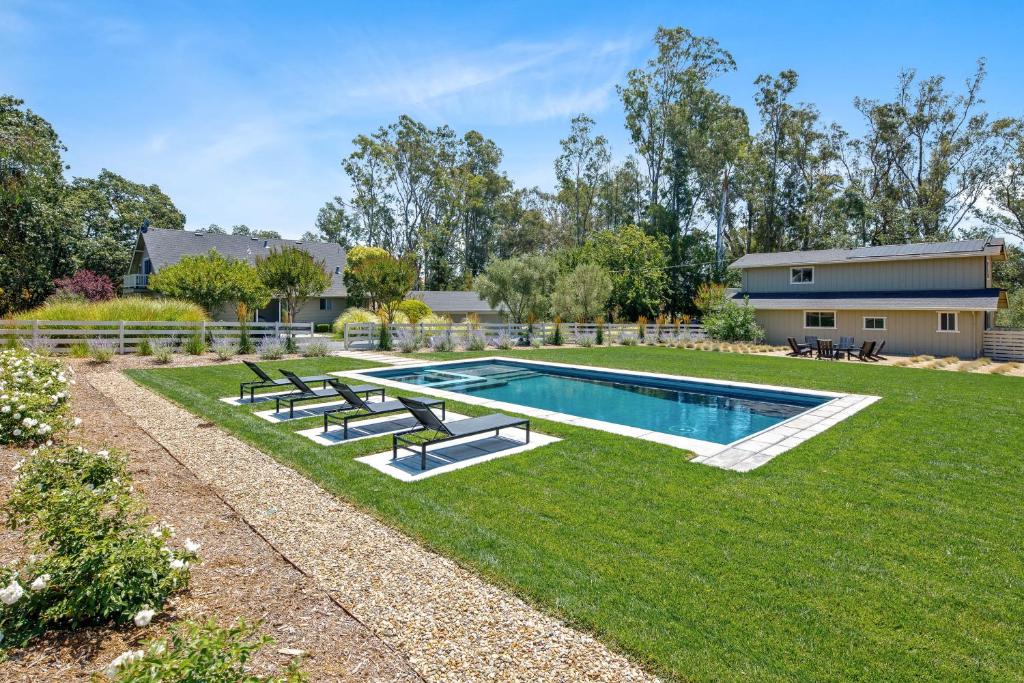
{"x": 242, "y": 111}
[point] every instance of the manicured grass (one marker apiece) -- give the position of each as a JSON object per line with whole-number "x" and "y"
{"x": 887, "y": 548}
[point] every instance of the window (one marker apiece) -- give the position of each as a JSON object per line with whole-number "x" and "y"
{"x": 948, "y": 322}
{"x": 874, "y": 323}
{"x": 801, "y": 276}
{"x": 820, "y": 319}
{"x": 325, "y": 304}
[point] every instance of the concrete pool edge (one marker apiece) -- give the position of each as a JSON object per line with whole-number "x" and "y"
{"x": 742, "y": 455}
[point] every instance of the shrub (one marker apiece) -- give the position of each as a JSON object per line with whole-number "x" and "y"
{"x": 224, "y": 348}
{"x": 195, "y": 345}
{"x": 144, "y": 348}
{"x": 354, "y": 314}
{"x": 442, "y": 343}
{"x": 78, "y": 350}
{"x": 33, "y": 397}
{"x": 126, "y": 308}
{"x": 536, "y": 342}
{"x": 407, "y": 341}
{"x": 320, "y": 328}
{"x": 628, "y": 339}
{"x": 475, "y": 341}
{"x": 503, "y": 340}
{"x": 87, "y": 285}
{"x": 199, "y": 652}
{"x": 270, "y": 348}
{"x": 94, "y": 560}
{"x": 101, "y": 350}
{"x": 414, "y": 310}
{"x": 599, "y": 332}
{"x": 163, "y": 350}
{"x": 733, "y": 322}
{"x": 315, "y": 349}
{"x": 556, "y": 336}
{"x": 585, "y": 340}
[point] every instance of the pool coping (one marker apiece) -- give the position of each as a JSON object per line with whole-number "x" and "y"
{"x": 742, "y": 455}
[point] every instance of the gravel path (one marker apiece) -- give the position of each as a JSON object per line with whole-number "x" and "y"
{"x": 451, "y": 625}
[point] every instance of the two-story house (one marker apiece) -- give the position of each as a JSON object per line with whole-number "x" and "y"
{"x": 931, "y": 298}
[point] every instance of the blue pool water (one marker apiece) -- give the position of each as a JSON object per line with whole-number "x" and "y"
{"x": 709, "y": 412}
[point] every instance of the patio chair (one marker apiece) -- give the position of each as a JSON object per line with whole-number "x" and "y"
{"x": 877, "y": 353}
{"x": 446, "y": 431}
{"x": 864, "y": 353}
{"x": 826, "y": 349}
{"x": 307, "y": 393}
{"x": 811, "y": 341}
{"x": 355, "y": 402}
{"x": 267, "y": 382}
{"x": 798, "y": 349}
{"x": 847, "y": 343}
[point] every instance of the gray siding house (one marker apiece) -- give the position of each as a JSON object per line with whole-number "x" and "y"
{"x": 931, "y": 298}
{"x": 157, "y": 248}
{"x": 458, "y": 305}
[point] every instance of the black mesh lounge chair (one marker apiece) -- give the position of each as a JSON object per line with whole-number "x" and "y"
{"x": 267, "y": 382}
{"x": 446, "y": 431}
{"x": 798, "y": 349}
{"x": 864, "y": 354}
{"x": 876, "y": 354}
{"x": 355, "y": 402}
{"x": 307, "y": 393}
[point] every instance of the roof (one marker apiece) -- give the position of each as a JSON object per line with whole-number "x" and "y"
{"x": 892, "y": 252}
{"x": 454, "y": 302}
{"x": 167, "y": 247}
{"x": 935, "y": 300}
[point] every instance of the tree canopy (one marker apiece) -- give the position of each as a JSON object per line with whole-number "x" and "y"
{"x": 292, "y": 275}
{"x": 211, "y": 281}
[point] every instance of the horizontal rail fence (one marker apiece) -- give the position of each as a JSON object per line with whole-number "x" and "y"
{"x": 1004, "y": 345}
{"x": 365, "y": 335}
{"x": 126, "y": 335}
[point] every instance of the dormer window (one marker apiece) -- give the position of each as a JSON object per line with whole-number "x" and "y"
{"x": 801, "y": 276}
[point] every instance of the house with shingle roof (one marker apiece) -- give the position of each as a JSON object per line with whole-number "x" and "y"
{"x": 157, "y": 248}
{"x": 932, "y": 298}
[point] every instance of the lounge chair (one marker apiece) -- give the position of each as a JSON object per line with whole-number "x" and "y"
{"x": 798, "y": 349}
{"x": 864, "y": 353}
{"x": 446, "y": 431}
{"x": 267, "y": 382}
{"x": 846, "y": 344}
{"x": 877, "y": 353}
{"x": 355, "y": 402}
{"x": 307, "y": 393}
{"x": 811, "y": 341}
{"x": 826, "y": 349}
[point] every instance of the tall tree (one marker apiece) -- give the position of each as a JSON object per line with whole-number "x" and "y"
{"x": 106, "y": 213}
{"x": 292, "y": 275}
{"x": 521, "y": 285}
{"x": 387, "y": 281}
{"x": 581, "y": 171}
{"x": 1005, "y": 210}
{"x": 36, "y": 247}
{"x": 636, "y": 262}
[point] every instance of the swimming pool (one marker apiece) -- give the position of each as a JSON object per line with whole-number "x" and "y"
{"x": 715, "y": 412}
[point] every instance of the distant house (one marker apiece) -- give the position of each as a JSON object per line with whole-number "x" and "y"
{"x": 458, "y": 305}
{"x": 157, "y": 248}
{"x": 932, "y": 298}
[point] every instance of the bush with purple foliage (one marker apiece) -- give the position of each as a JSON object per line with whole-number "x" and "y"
{"x": 86, "y": 284}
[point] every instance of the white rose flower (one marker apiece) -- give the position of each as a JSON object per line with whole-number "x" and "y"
{"x": 143, "y": 617}
{"x": 191, "y": 546}
{"x": 103, "y": 454}
{"x": 121, "y": 660}
{"x": 78, "y": 421}
{"x": 17, "y": 432}
{"x": 175, "y": 564}
{"x": 40, "y": 582}
{"x": 12, "y": 593}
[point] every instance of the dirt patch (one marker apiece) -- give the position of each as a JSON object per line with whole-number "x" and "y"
{"x": 241, "y": 574}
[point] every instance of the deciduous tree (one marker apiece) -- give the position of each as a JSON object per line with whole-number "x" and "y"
{"x": 292, "y": 275}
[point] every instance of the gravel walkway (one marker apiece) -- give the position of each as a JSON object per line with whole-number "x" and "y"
{"x": 452, "y": 625}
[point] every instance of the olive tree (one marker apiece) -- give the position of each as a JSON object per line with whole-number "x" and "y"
{"x": 582, "y": 294}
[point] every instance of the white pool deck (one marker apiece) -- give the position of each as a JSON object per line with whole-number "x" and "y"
{"x": 742, "y": 455}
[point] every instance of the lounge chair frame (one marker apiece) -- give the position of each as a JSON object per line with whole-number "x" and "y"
{"x": 267, "y": 382}
{"x": 355, "y": 402}
{"x": 798, "y": 349}
{"x": 307, "y": 393}
{"x": 430, "y": 423}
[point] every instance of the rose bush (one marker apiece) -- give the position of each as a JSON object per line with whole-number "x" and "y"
{"x": 34, "y": 404}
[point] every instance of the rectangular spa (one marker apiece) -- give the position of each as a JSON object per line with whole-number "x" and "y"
{"x": 705, "y": 411}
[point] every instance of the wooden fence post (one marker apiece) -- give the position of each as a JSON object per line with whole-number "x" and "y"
{"x": 35, "y": 334}
{"x": 120, "y": 337}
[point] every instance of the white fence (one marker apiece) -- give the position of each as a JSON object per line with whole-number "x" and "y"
{"x": 126, "y": 335}
{"x": 1004, "y": 345}
{"x": 365, "y": 335}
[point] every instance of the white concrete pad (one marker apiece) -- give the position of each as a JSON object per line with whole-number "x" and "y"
{"x": 455, "y": 455}
{"x": 260, "y": 398}
{"x": 366, "y": 429}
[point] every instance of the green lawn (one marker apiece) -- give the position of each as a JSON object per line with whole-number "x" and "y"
{"x": 891, "y": 547}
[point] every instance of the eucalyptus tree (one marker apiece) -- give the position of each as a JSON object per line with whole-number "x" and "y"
{"x": 1005, "y": 209}
{"x": 581, "y": 170}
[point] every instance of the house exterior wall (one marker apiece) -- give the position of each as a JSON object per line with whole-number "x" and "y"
{"x": 309, "y": 311}
{"x": 460, "y": 316}
{"x": 907, "y": 332}
{"x": 875, "y": 276}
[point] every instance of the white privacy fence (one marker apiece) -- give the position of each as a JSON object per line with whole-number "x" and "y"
{"x": 365, "y": 335}
{"x": 125, "y": 335}
{"x": 1004, "y": 345}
